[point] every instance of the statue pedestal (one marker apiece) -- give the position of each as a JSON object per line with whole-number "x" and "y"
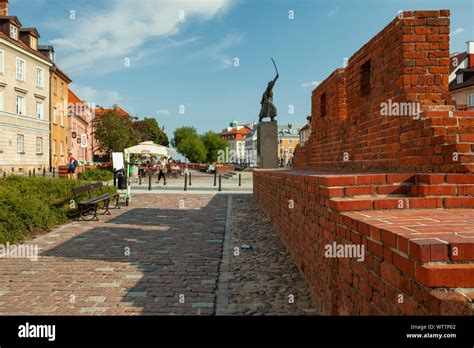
{"x": 267, "y": 145}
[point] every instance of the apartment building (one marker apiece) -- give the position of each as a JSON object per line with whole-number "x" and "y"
{"x": 59, "y": 86}
{"x": 24, "y": 97}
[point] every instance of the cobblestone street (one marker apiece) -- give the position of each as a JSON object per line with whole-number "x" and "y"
{"x": 164, "y": 254}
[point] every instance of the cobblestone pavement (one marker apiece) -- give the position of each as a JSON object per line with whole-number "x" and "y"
{"x": 161, "y": 255}
{"x": 262, "y": 279}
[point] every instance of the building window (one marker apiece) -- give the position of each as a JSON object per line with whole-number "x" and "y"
{"x": 470, "y": 100}
{"x": 55, "y": 86}
{"x": 39, "y": 78}
{"x": 459, "y": 78}
{"x": 33, "y": 42}
{"x": 55, "y": 116}
{"x": 290, "y": 150}
{"x": 39, "y": 146}
{"x": 20, "y": 144}
{"x": 55, "y": 146}
{"x": 62, "y": 90}
{"x": 61, "y": 149}
{"x": 20, "y": 70}
{"x": 323, "y": 105}
{"x": 2, "y": 62}
{"x": 13, "y": 32}
{"x": 20, "y": 105}
{"x": 365, "y": 71}
{"x": 290, "y": 141}
{"x": 61, "y": 118}
{"x": 39, "y": 110}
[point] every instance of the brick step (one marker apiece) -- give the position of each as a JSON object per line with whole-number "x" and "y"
{"x": 403, "y": 189}
{"x": 399, "y": 202}
{"x": 447, "y": 275}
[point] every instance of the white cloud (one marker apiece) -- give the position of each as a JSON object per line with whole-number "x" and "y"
{"x": 310, "y": 84}
{"x": 105, "y": 98}
{"x": 163, "y": 112}
{"x": 217, "y": 52}
{"x": 457, "y": 31}
{"x": 100, "y": 41}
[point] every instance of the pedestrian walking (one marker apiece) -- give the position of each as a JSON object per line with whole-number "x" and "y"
{"x": 162, "y": 169}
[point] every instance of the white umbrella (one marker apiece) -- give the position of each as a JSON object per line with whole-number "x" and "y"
{"x": 148, "y": 148}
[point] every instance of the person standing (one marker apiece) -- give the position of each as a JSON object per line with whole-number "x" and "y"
{"x": 72, "y": 167}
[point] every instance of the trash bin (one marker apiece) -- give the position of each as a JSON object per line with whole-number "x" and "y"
{"x": 122, "y": 182}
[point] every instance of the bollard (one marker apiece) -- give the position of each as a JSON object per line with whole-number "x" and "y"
{"x": 4, "y": 174}
{"x": 185, "y": 182}
{"x": 115, "y": 179}
{"x": 54, "y": 172}
{"x": 34, "y": 172}
{"x": 44, "y": 172}
{"x": 29, "y": 173}
{"x": 240, "y": 179}
{"x": 149, "y": 181}
{"x": 189, "y": 179}
{"x": 220, "y": 182}
{"x": 139, "y": 179}
{"x": 215, "y": 178}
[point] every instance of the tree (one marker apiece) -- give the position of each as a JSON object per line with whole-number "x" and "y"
{"x": 213, "y": 143}
{"x": 149, "y": 129}
{"x": 115, "y": 132}
{"x": 189, "y": 144}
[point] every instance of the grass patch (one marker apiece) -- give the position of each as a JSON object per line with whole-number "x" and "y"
{"x": 30, "y": 206}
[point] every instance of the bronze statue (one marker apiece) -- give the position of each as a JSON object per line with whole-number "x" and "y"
{"x": 269, "y": 109}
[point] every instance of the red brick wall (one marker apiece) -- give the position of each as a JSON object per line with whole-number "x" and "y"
{"x": 311, "y": 211}
{"x": 409, "y": 62}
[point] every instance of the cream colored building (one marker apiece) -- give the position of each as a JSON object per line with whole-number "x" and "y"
{"x": 24, "y": 99}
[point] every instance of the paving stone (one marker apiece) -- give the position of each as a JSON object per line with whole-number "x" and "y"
{"x": 172, "y": 251}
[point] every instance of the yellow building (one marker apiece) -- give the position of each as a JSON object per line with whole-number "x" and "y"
{"x": 59, "y": 82}
{"x": 288, "y": 138}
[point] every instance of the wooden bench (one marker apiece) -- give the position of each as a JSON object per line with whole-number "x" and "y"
{"x": 90, "y": 206}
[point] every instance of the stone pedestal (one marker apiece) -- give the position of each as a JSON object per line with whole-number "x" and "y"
{"x": 267, "y": 145}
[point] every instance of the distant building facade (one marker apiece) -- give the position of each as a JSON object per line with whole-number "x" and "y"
{"x": 236, "y": 135}
{"x": 59, "y": 85}
{"x": 288, "y": 139}
{"x": 305, "y": 132}
{"x": 79, "y": 128}
{"x": 461, "y": 78}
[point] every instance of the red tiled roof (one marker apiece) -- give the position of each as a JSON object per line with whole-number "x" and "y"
{"x": 119, "y": 111}
{"x": 23, "y": 45}
{"x": 74, "y": 99}
{"x": 468, "y": 83}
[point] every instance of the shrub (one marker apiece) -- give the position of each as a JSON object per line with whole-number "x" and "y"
{"x": 34, "y": 205}
{"x": 97, "y": 175}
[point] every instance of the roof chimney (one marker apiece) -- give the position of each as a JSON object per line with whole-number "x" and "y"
{"x": 3, "y": 7}
{"x": 470, "y": 52}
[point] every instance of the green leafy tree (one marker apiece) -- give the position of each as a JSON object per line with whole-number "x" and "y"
{"x": 115, "y": 132}
{"x": 189, "y": 144}
{"x": 213, "y": 143}
{"x": 149, "y": 129}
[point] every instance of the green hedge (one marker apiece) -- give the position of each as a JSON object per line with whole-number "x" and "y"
{"x": 97, "y": 175}
{"x": 34, "y": 205}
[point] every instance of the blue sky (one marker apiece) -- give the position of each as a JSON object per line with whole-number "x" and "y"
{"x": 188, "y": 61}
